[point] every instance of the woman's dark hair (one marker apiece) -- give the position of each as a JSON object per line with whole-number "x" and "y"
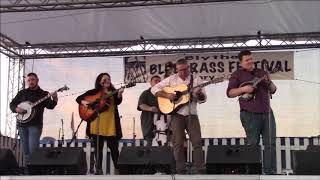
{"x": 97, "y": 83}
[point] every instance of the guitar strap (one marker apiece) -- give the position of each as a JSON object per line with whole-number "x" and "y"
{"x": 190, "y": 86}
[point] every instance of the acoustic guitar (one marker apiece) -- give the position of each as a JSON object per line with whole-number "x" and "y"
{"x": 99, "y": 102}
{"x": 166, "y": 106}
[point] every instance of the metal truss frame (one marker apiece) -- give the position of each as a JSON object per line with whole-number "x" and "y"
{"x": 172, "y": 46}
{"x": 15, "y": 83}
{"x": 9, "y": 47}
{"x": 18, "y": 53}
{"x": 54, "y": 5}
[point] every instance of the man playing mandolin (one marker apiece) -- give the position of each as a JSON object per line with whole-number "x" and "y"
{"x": 31, "y": 130}
{"x": 183, "y": 117}
{"x": 256, "y": 114}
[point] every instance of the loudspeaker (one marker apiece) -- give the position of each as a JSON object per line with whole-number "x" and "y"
{"x": 58, "y": 160}
{"x": 146, "y": 160}
{"x": 306, "y": 162}
{"x": 8, "y": 162}
{"x": 238, "y": 159}
{"x": 313, "y": 148}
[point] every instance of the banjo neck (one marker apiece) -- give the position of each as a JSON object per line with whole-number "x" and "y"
{"x": 49, "y": 95}
{"x": 41, "y": 100}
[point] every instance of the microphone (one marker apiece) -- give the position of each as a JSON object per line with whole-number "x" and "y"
{"x": 62, "y": 122}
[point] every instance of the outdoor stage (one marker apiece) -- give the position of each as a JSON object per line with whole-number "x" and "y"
{"x": 163, "y": 177}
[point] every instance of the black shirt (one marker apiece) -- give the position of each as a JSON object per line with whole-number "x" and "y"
{"x": 33, "y": 96}
{"x": 146, "y": 117}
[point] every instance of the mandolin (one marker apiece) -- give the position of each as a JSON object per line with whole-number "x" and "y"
{"x": 254, "y": 83}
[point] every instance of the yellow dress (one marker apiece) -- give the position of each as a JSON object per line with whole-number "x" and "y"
{"x": 107, "y": 123}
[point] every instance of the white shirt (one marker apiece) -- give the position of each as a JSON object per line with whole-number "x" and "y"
{"x": 175, "y": 80}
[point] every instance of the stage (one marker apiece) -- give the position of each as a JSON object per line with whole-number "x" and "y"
{"x": 163, "y": 177}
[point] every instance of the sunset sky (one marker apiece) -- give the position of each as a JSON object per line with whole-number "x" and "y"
{"x": 296, "y": 103}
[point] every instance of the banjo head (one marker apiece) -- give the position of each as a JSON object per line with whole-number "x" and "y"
{"x": 24, "y": 118}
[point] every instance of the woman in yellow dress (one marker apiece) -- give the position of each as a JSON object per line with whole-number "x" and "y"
{"x": 105, "y": 125}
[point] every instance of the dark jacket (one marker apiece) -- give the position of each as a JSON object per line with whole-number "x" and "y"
{"x": 147, "y": 125}
{"x": 33, "y": 96}
{"x": 117, "y": 116}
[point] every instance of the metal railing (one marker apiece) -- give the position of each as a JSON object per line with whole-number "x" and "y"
{"x": 284, "y": 148}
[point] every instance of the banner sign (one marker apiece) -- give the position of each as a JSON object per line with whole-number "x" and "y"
{"x": 206, "y": 65}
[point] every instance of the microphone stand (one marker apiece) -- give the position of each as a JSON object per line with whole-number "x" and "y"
{"x": 59, "y": 137}
{"x": 95, "y": 106}
{"x": 134, "y": 132}
{"x": 76, "y": 132}
{"x": 269, "y": 127}
{"x": 190, "y": 87}
{"x": 62, "y": 133}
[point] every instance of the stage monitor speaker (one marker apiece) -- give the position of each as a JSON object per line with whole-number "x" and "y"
{"x": 58, "y": 161}
{"x": 306, "y": 162}
{"x": 146, "y": 160}
{"x": 235, "y": 159}
{"x": 8, "y": 162}
{"x": 315, "y": 148}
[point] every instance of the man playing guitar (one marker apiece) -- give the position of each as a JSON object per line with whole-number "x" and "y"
{"x": 184, "y": 118}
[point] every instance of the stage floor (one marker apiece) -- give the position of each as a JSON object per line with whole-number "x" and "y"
{"x": 163, "y": 177}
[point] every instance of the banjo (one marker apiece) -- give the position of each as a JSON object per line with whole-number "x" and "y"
{"x": 28, "y": 107}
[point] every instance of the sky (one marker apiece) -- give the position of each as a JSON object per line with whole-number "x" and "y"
{"x": 295, "y": 105}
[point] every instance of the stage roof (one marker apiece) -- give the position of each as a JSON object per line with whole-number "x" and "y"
{"x": 162, "y": 22}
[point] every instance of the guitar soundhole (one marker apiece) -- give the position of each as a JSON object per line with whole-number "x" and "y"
{"x": 178, "y": 96}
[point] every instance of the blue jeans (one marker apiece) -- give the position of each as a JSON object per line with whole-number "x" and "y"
{"x": 30, "y": 138}
{"x": 255, "y": 124}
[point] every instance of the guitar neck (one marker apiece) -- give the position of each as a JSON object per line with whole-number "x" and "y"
{"x": 111, "y": 93}
{"x": 205, "y": 84}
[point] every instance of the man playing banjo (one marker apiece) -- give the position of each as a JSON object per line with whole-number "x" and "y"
{"x": 30, "y": 128}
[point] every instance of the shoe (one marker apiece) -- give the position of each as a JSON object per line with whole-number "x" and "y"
{"x": 91, "y": 171}
{"x": 181, "y": 172}
{"x": 116, "y": 172}
{"x": 26, "y": 171}
{"x": 99, "y": 172}
{"x": 199, "y": 171}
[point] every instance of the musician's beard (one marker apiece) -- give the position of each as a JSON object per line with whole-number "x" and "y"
{"x": 33, "y": 86}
